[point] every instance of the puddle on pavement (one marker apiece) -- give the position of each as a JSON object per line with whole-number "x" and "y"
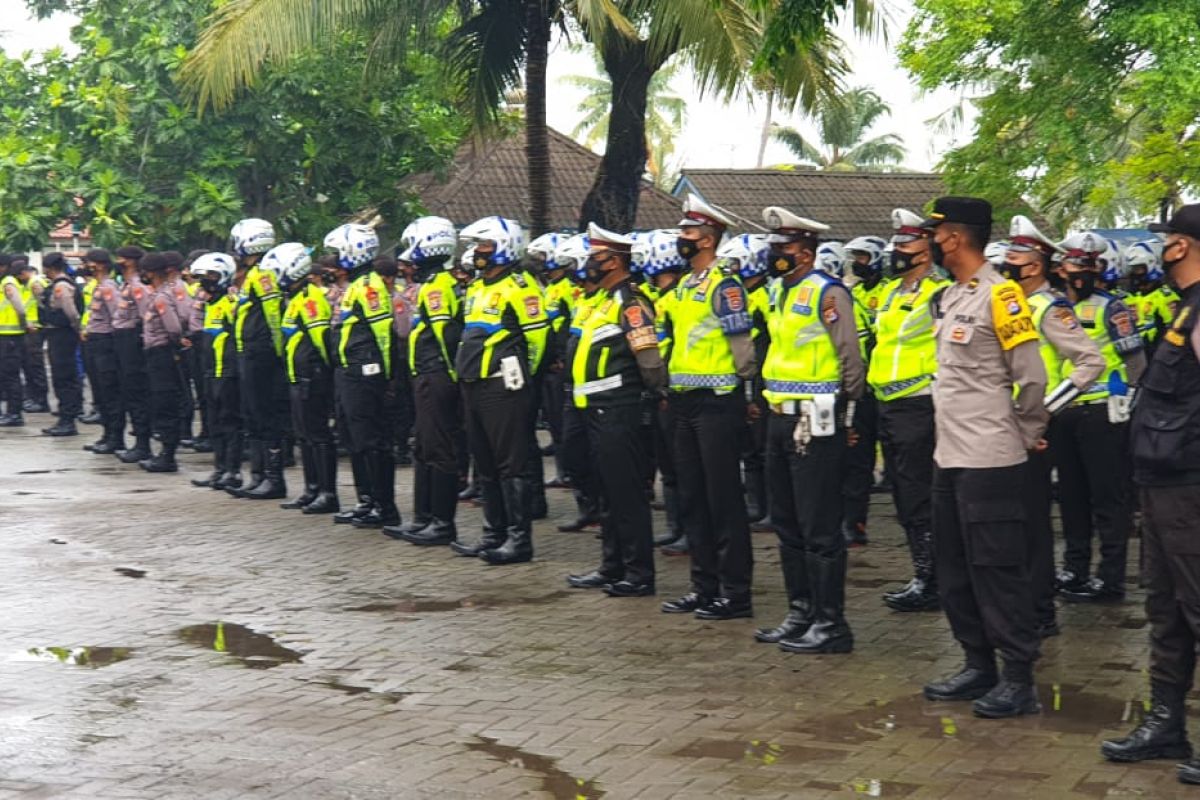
{"x": 139, "y": 491}
{"x": 556, "y": 783}
{"x": 56, "y": 541}
{"x": 93, "y": 657}
{"x": 417, "y": 605}
{"x": 34, "y": 472}
{"x": 758, "y": 752}
{"x": 130, "y": 572}
{"x": 1067, "y": 709}
{"x": 866, "y": 788}
{"x": 346, "y": 688}
{"x": 254, "y": 650}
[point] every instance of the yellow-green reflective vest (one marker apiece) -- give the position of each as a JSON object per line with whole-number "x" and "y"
{"x": 365, "y": 335}
{"x": 801, "y": 361}
{"x": 306, "y": 325}
{"x": 1039, "y": 304}
{"x": 219, "y": 323}
{"x": 905, "y": 357}
{"x": 502, "y": 317}
{"x": 259, "y": 310}
{"x": 700, "y": 356}
{"x": 1098, "y": 318}
{"x": 10, "y": 321}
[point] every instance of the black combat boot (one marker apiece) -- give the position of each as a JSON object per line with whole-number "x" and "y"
{"x": 383, "y": 491}
{"x": 495, "y": 521}
{"x": 308, "y": 463}
{"x": 258, "y": 455}
{"x": 163, "y": 462}
{"x": 799, "y": 615}
{"x": 139, "y": 452}
{"x": 1162, "y": 734}
{"x": 273, "y": 485}
{"x": 218, "y": 466}
{"x": 114, "y": 440}
{"x": 828, "y": 632}
{"x": 422, "y": 502}
{"x": 64, "y": 427}
{"x": 231, "y": 464}
{"x": 360, "y": 467}
{"x": 519, "y": 547}
{"x": 756, "y": 495}
{"x": 326, "y": 501}
{"x": 921, "y": 592}
{"x": 586, "y": 515}
{"x": 671, "y": 507}
{"x": 441, "y": 529}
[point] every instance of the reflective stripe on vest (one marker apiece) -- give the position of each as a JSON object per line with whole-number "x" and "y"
{"x": 1092, "y": 313}
{"x": 905, "y": 356}
{"x": 801, "y": 361}
{"x": 1039, "y": 304}
{"x": 700, "y": 354}
{"x": 10, "y": 321}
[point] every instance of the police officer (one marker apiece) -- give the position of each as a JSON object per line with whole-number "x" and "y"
{"x": 432, "y": 347}
{"x": 1165, "y": 446}
{"x": 1088, "y": 439}
{"x": 14, "y": 324}
{"x": 161, "y": 334}
{"x": 194, "y": 343}
{"x": 865, "y": 254}
{"x": 1145, "y": 279}
{"x": 1073, "y": 363}
{"x": 901, "y": 375}
{"x": 990, "y": 389}
{"x": 746, "y": 255}
{"x": 309, "y": 370}
{"x": 99, "y": 343}
{"x": 220, "y": 279}
{"x": 615, "y": 362}
{"x": 363, "y": 353}
{"x": 61, "y": 307}
{"x": 709, "y": 324}
{"x": 560, "y": 293}
{"x": 33, "y": 357}
{"x": 504, "y": 339}
{"x": 127, "y": 336}
{"x": 812, "y": 378}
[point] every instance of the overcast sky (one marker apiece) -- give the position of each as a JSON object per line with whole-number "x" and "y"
{"x": 714, "y": 135}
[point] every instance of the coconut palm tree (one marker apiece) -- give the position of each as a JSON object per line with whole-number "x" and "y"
{"x": 844, "y": 125}
{"x": 665, "y": 115}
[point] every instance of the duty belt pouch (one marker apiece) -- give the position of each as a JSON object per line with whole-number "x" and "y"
{"x": 510, "y": 371}
{"x": 1118, "y": 408}
{"x": 823, "y": 414}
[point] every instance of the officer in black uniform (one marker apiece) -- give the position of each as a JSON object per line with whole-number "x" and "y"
{"x": 62, "y": 307}
{"x": 1165, "y": 445}
{"x": 615, "y": 361}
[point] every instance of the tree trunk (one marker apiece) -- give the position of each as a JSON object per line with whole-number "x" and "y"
{"x": 766, "y": 133}
{"x": 537, "y": 140}
{"x": 613, "y": 200}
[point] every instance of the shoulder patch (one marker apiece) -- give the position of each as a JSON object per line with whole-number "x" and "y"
{"x": 1010, "y": 316}
{"x": 1065, "y": 316}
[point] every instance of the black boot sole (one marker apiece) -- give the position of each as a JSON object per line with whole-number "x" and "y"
{"x": 1173, "y": 751}
{"x": 1006, "y": 713}
{"x": 838, "y": 646}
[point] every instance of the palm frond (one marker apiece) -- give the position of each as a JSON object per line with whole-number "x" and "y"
{"x": 886, "y": 149}
{"x": 486, "y": 53}
{"x": 793, "y": 140}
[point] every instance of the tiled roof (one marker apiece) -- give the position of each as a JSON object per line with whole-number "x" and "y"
{"x": 490, "y": 179}
{"x": 851, "y": 203}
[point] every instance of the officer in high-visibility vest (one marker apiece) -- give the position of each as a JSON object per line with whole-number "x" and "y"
{"x": 901, "y": 377}
{"x": 1089, "y": 438}
{"x": 989, "y": 413}
{"x": 561, "y": 293}
{"x": 812, "y": 378}
{"x": 746, "y": 256}
{"x": 504, "y": 338}
{"x": 309, "y": 370}
{"x": 869, "y": 289}
{"x": 432, "y": 345}
{"x": 709, "y": 326}
{"x": 1063, "y": 343}
{"x": 615, "y": 362}
{"x": 14, "y": 323}
{"x": 363, "y": 357}
{"x": 1153, "y": 301}
{"x": 220, "y": 278}
{"x": 33, "y": 361}
{"x": 260, "y": 361}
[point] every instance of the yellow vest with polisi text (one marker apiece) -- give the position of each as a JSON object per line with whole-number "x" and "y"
{"x": 700, "y": 355}
{"x": 802, "y": 360}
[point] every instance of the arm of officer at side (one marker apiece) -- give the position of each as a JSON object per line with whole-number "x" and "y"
{"x": 837, "y": 313}
{"x": 170, "y": 319}
{"x": 13, "y": 295}
{"x": 733, "y": 315}
{"x": 1064, "y": 333}
{"x": 1021, "y": 350}
{"x": 637, "y": 319}
{"x": 1123, "y": 331}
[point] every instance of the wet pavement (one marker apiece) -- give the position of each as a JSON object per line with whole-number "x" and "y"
{"x": 165, "y": 641}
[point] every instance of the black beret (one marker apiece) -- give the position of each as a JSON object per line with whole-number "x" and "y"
{"x": 130, "y": 251}
{"x": 54, "y": 261}
{"x": 99, "y": 256}
{"x": 153, "y": 262}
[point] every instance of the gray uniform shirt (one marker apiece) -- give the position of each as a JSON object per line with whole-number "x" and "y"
{"x": 988, "y": 396}
{"x": 134, "y": 297}
{"x": 160, "y": 322}
{"x": 837, "y": 314}
{"x": 62, "y": 298}
{"x": 106, "y": 304}
{"x": 182, "y": 301}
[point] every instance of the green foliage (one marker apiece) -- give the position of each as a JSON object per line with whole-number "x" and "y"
{"x": 844, "y": 125}
{"x": 1087, "y": 109}
{"x": 312, "y": 144}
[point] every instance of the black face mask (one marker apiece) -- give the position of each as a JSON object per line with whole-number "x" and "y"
{"x": 211, "y": 287}
{"x": 1168, "y": 264}
{"x": 936, "y": 254}
{"x": 1011, "y": 271}
{"x": 482, "y": 261}
{"x": 686, "y": 248}
{"x": 861, "y": 271}
{"x": 593, "y": 269}
{"x": 1083, "y": 283}
{"x": 781, "y": 263}
{"x": 902, "y": 262}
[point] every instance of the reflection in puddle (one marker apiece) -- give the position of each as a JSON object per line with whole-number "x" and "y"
{"x": 93, "y": 657}
{"x": 555, "y": 782}
{"x": 254, "y": 650}
{"x": 868, "y": 788}
{"x": 416, "y": 605}
{"x": 757, "y": 751}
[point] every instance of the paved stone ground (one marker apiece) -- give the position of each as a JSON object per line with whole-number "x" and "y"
{"x": 424, "y": 675}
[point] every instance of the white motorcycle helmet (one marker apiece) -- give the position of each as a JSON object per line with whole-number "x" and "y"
{"x": 547, "y": 246}
{"x": 291, "y": 262}
{"x": 749, "y": 250}
{"x": 426, "y": 238}
{"x": 498, "y": 230}
{"x": 662, "y": 255}
{"x": 218, "y": 263}
{"x": 354, "y": 245}
{"x": 995, "y": 253}
{"x": 251, "y": 236}
{"x": 831, "y": 259}
{"x": 1148, "y": 255}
